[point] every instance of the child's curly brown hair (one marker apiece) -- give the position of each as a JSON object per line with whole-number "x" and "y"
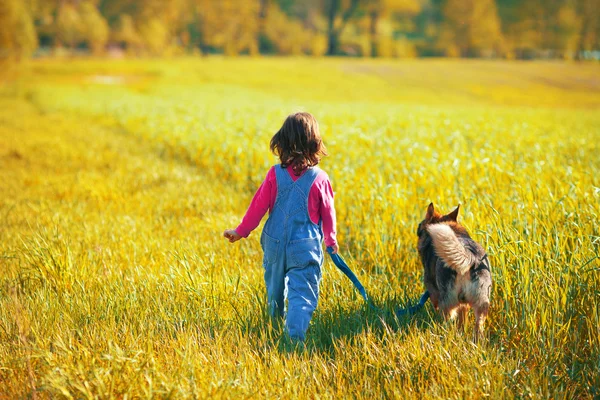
{"x": 298, "y": 143}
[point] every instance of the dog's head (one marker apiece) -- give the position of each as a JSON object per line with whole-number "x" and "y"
{"x": 434, "y": 217}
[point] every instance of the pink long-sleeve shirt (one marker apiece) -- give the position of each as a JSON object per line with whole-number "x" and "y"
{"x": 320, "y": 204}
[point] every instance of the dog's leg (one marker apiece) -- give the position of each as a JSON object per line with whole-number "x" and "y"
{"x": 448, "y": 312}
{"x": 481, "y": 312}
{"x": 462, "y": 317}
{"x": 435, "y": 299}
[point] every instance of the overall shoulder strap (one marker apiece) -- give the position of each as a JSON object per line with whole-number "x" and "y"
{"x": 283, "y": 178}
{"x": 308, "y": 178}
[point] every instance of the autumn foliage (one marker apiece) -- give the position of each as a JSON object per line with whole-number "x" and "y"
{"x": 367, "y": 28}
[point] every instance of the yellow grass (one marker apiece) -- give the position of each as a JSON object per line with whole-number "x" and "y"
{"x": 117, "y": 179}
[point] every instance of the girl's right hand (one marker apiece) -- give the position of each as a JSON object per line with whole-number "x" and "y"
{"x": 231, "y": 235}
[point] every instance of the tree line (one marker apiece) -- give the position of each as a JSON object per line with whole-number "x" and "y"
{"x": 365, "y": 28}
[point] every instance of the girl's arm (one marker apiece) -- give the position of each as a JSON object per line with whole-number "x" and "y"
{"x": 261, "y": 203}
{"x": 328, "y": 214}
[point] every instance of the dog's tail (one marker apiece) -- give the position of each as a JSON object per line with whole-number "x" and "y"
{"x": 450, "y": 249}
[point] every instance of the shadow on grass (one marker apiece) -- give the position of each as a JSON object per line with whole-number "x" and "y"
{"x": 341, "y": 322}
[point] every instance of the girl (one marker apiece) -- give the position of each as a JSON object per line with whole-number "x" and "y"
{"x": 299, "y": 198}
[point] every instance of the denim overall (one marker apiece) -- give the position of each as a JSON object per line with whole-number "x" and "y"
{"x": 293, "y": 254}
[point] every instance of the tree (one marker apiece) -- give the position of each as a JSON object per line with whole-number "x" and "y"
{"x": 155, "y": 26}
{"x": 380, "y": 8}
{"x": 95, "y": 29}
{"x": 68, "y": 26}
{"x": 17, "y": 32}
{"x": 568, "y": 29}
{"x": 470, "y": 27}
{"x": 287, "y": 35}
{"x": 338, "y": 13}
{"x": 426, "y": 28}
{"x": 230, "y": 25}
{"x": 126, "y": 34}
{"x": 589, "y": 35}
{"x": 154, "y": 35}
{"x": 549, "y": 28}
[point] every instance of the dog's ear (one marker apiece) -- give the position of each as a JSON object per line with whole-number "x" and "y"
{"x": 430, "y": 212}
{"x": 453, "y": 216}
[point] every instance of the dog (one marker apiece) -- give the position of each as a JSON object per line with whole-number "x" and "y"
{"x": 457, "y": 271}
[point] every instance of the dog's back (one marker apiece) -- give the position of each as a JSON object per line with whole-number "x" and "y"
{"x": 456, "y": 268}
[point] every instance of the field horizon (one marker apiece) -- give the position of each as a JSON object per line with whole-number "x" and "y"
{"x": 117, "y": 179}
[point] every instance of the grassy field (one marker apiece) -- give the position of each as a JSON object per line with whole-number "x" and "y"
{"x": 117, "y": 179}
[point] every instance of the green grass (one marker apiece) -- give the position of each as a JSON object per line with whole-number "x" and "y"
{"x": 117, "y": 179}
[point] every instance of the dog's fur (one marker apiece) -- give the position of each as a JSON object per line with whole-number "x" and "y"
{"x": 457, "y": 271}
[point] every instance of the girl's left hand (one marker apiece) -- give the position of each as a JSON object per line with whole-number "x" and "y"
{"x": 231, "y": 235}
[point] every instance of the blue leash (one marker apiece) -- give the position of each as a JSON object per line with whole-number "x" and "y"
{"x": 342, "y": 266}
{"x": 413, "y": 310}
